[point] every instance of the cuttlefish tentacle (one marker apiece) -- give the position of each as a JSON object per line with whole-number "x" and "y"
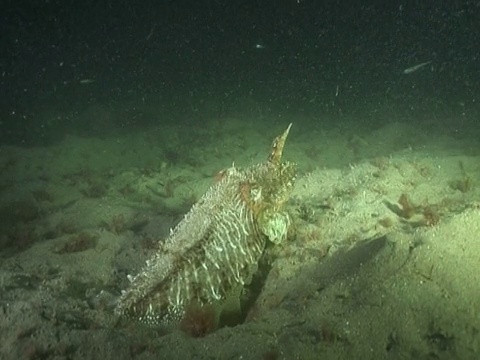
{"x": 277, "y": 147}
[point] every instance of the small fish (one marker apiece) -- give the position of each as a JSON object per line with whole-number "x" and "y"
{"x": 87, "y": 81}
{"x": 415, "y": 68}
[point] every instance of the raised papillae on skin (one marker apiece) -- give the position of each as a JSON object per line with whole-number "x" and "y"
{"x": 216, "y": 247}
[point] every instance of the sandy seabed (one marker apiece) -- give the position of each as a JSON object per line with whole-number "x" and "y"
{"x": 384, "y": 263}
